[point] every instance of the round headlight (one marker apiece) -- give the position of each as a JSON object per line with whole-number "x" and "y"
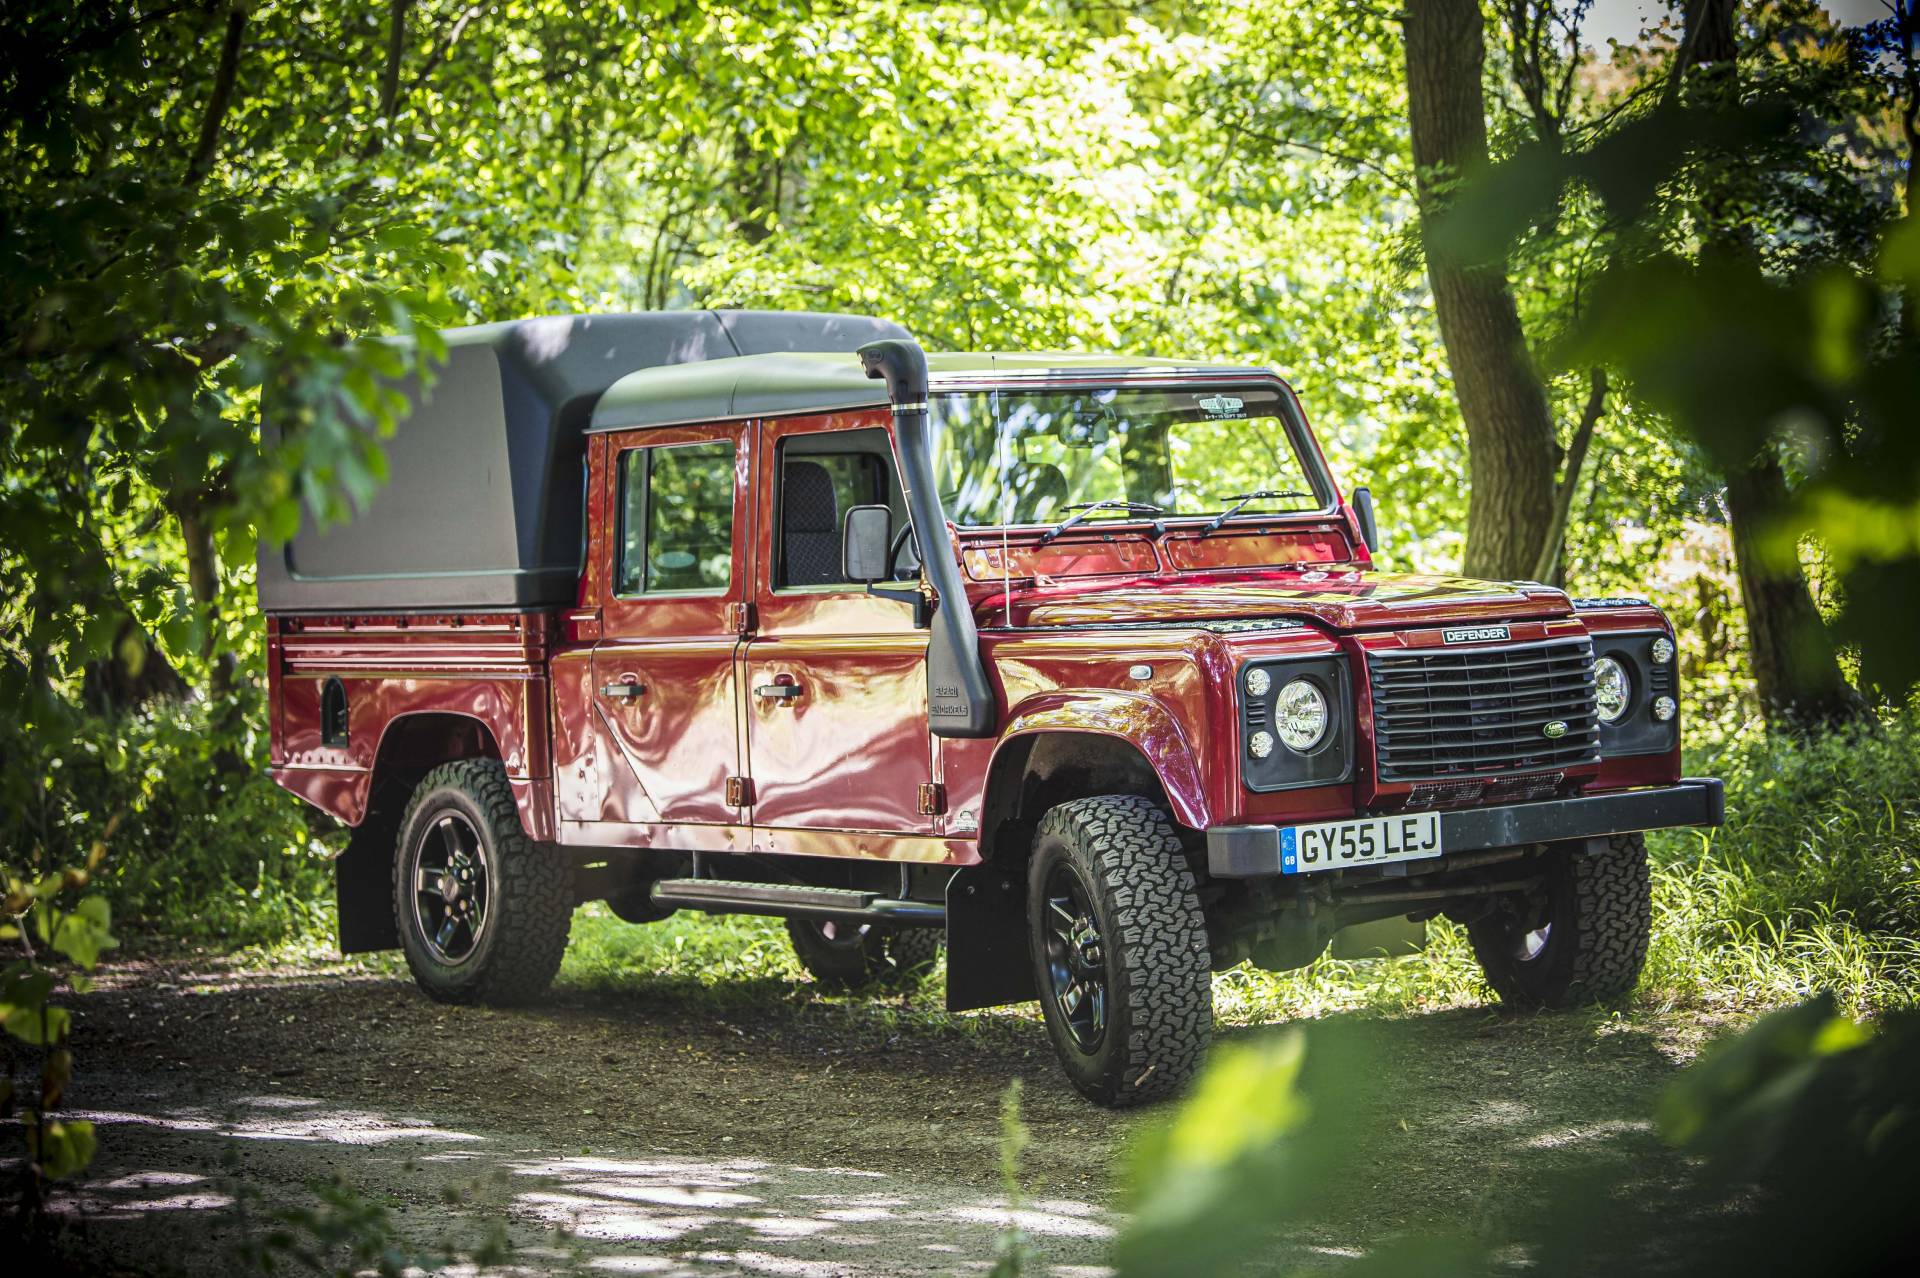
{"x": 1300, "y": 712}
{"x": 1261, "y": 744}
{"x": 1258, "y": 681}
{"x": 1612, "y": 690}
{"x": 1662, "y": 650}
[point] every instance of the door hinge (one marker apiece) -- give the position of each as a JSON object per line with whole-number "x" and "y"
{"x": 739, "y": 792}
{"x": 933, "y": 798}
{"x": 740, "y": 618}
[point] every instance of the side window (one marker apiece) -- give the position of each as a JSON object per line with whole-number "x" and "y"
{"x": 817, "y": 488}
{"x": 676, "y": 518}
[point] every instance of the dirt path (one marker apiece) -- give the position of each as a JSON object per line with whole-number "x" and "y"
{"x": 666, "y": 1135}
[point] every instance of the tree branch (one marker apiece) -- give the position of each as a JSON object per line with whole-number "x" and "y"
{"x": 443, "y": 46}
{"x": 215, "y": 115}
{"x": 1563, "y": 492}
{"x": 396, "y": 50}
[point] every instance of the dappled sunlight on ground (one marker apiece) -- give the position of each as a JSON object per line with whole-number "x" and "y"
{"x": 655, "y": 1214}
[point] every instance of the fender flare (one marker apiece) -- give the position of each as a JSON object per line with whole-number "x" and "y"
{"x": 1142, "y": 721}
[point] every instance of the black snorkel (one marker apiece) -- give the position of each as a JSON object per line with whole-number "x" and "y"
{"x": 960, "y": 701}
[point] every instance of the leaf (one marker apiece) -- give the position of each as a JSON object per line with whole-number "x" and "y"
{"x": 38, "y": 1026}
{"x": 62, "y": 1148}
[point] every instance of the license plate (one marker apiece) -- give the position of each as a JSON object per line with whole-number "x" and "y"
{"x": 1341, "y": 845}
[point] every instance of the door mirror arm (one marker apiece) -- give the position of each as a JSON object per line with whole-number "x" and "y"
{"x": 922, "y": 606}
{"x": 1363, "y": 512}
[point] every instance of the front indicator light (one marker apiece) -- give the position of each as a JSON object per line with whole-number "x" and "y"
{"x": 1664, "y": 708}
{"x": 1258, "y": 681}
{"x": 1611, "y": 689}
{"x": 1300, "y": 712}
{"x": 1261, "y": 744}
{"x": 1662, "y": 650}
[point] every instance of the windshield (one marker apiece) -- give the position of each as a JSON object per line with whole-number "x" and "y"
{"x": 1013, "y": 456}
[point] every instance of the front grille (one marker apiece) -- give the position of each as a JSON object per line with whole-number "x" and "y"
{"x": 1460, "y": 714}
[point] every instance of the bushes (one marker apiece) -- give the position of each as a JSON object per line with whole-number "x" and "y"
{"x": 206, "y": 847}
{"x": 1814, "y": 882}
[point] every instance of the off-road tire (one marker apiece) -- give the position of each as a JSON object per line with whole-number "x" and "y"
{"x": 1599, "y": 905}
{"x": 531, "y": 885}
{"x": 880, "y": 955}
{"x": 1158, "y": 971}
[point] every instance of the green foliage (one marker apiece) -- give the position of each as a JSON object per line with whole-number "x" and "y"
{"x": 222, "y": 853}
{"x": 1813, "y": 883}
{"x": 1807, "y": 1112}
{"x": 48, "y": 913}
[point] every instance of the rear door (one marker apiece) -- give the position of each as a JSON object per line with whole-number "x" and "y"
{"x": 835, "y": 679}
{"x": 665, "y": 670}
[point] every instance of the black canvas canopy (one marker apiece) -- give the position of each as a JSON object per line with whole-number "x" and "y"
{"x": 483, "y": 506}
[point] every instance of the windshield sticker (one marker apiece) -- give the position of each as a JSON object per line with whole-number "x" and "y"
{"x": 1222, "y": 405}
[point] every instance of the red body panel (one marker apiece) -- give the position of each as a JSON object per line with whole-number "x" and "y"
{"x": 847, "y": 768}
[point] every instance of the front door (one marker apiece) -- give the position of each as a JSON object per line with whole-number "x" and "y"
{"x": 665, "y": 669}
{"x": 835, "y": 679}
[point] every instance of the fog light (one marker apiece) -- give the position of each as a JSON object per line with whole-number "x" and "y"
{"x": 1258, "y": 681}
{"x": 1611, "y": 689}
{"x": 1662, "y": 650}
{"x": 1664, "y": 708}
{"x": 1261, "y": 744}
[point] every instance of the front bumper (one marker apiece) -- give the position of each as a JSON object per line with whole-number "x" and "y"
{"x": 1253, "y": 851}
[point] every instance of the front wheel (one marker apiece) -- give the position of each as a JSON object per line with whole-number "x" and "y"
{"x": 1583, "y": 938}
{"x": 1119, "y": 948}
{"x": 483, "y": 911}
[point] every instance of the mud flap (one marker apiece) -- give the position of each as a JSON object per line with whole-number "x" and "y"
{"x": 987, "y": 958}
{"x": 363, "y": 887}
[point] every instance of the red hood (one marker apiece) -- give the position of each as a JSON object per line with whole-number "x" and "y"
{"x": 1342, "y": 599}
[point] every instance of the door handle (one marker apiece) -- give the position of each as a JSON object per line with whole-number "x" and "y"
{"x": 777, "y": 691}
{"x": 626, "y": 691}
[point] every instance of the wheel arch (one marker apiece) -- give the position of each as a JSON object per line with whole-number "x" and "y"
{"x": 1066, "y": 746}
{"x": 411, "y": 745}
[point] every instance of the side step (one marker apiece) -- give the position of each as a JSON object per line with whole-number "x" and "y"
{"x": 795, "y": 901}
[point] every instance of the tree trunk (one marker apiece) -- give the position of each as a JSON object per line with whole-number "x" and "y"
{"x": 1510, "y": 437}
{"x": 203, "y": 581}
{"x": 1796, "y": 671}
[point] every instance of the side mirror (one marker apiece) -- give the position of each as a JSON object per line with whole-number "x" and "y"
{"x": 1363, "y": 508}
{"x": 866, "y": 537}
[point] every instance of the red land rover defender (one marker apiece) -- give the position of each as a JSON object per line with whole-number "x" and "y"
{"x": 1077, "y": 660}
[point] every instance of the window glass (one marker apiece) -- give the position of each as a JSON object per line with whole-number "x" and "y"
{"x": 677, "y": 518}
{"x": 1028, "y": 457}
{"x": 816, "y": 491}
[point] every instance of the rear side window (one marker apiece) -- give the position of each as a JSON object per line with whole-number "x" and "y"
{"x": 676, "y": 518}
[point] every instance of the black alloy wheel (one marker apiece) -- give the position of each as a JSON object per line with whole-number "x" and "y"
{"x": 1076, "y": 958}
{"x": 450, "y": 888}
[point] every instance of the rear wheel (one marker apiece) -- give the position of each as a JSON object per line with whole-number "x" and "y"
{"x": 1119, "y": 948}
{"x": 1583, "y": 938}
{"x": 483, "y": 911}
{"x": 845, "y": 955}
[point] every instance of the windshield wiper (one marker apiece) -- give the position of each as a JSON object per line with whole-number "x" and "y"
{"x": 1240, "y": 502}
{"x": 1088, "y": 507}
